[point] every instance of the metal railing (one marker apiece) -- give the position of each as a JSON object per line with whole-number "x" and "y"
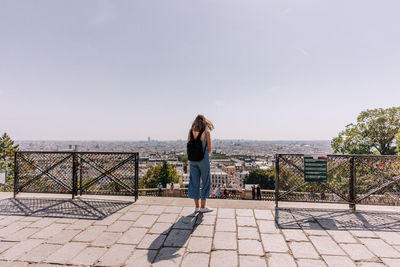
{"x": 352, "y": 179}
{"x": 100, "y": 173}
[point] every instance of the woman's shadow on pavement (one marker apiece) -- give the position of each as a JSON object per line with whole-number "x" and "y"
{"x": 173, "y": 239}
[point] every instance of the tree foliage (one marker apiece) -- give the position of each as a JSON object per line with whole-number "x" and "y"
{"x": 163, "y": 173}
{"x": 7, "y": 150}
{"x": 265, "y": 178}
{"x": 374, "y": 132}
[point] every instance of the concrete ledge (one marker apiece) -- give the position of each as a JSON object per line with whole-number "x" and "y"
{"x": 216, "y": 203}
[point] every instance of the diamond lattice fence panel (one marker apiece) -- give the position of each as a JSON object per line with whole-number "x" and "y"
{"x": 44, "y": 172}
{"x": 106, "y": 173}
{"x": 292, "y": 186}
{"x": 377, "y": 180}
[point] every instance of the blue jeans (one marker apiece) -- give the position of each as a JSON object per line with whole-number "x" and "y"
{"x": 199, "y": 169}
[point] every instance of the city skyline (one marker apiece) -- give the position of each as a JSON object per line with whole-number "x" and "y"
{"x": 228, "y": 147}
{"x": 170, "y": 140}
{"x": 259, "y": 70}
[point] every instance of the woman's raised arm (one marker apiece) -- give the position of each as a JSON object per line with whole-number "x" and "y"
{"x": 208, "y": 142}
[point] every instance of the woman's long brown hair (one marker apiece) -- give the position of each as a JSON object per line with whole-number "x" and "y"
{"x": 202, "y": 123}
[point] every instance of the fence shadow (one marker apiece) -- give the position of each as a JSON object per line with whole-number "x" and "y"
{"x": 174, "y": 238}
{"x": 320, "y": 219}
{"x": 61, "y": 208}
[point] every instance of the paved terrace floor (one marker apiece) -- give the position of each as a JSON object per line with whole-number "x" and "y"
{"x": 50, "y": 231}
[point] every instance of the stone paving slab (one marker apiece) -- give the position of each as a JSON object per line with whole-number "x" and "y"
{"x": 116, "y": 255}
{"x": 250, "y": 247}
{"x": 303, "y": 250}
{"x": 200, "y": 244}
{"x": 165, "y": 234}
{"x": 225, "y": 240}
{"x": 106, "y": 239}
{"x": 204, "y": 231}
{"x": 196, "y": 260}
{"x": 66, "y": 253}
{"x": 133, "y": 236}
{"x": 358, "y": 252}
{"x": 164, "y": 257}
{"x": 313, "y": 263}
{"x": 40, "y": 253}
{"x": 252, "y": 261}
{"x": 88, "y": 256}
{"x": 248, "y": 233}
{"x": 280, "y": 259}
{"x": 228, "y": 225}
{"x": 63, "y": 237}
{"x": 141, "y": 257}
{"x": 222, "y": 258}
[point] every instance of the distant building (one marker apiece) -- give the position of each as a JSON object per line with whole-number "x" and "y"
{"x": 230, "y": 170}
{"x": 184, "y": 178}
{"x": 239, "y": 167}
{"x": 240, "y": 176}
{"x": 219, "y": 177}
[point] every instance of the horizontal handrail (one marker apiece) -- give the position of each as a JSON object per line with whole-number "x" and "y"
{"x": 341, "y": 155}
{"x": 76, "y": 152}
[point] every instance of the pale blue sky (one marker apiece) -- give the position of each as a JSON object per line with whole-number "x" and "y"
{"x": 126, "y": 70}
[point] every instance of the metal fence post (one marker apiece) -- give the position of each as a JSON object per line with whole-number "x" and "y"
{"x": 136, "y": 177}
{"x": 352, "y": 187}
{"x": 74, "y": 176}
{"x": 276, "y": 179}
{"x": 80, "y": 178}
{"x": 15, "y": 174}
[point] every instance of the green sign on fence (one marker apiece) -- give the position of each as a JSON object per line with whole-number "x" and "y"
{"x": 315, "y": 169}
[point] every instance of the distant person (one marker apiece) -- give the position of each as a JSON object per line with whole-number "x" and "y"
{"x": 258, "y": 192}
{"x": 159, "y": 186}
{"x": 213, "y": 190}
{"x": 171, "y": 189}
{"x": 218, "y": 194}
{"x": 225, "y": 191}
{"x": 240, "y": 188}
{"x": 234, "y": 187}
{"x": 253, "y": 192}
{"x": 199, "y": 148}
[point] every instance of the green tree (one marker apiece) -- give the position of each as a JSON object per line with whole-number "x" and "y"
{"x": 266, "y": 178}
{"x": 374, "y": 132}
{"x": 182, "y": 158}
{"x": 163, "y": 173}
{"x": 7, "y": 150}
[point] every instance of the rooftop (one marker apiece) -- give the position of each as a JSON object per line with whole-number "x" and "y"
{"x": 114, "y": 231}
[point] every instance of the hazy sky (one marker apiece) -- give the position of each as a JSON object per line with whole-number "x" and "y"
{"x": 126, "y": 70}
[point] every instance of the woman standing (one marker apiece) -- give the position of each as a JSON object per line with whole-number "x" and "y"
{"x": 200, "y": 131}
